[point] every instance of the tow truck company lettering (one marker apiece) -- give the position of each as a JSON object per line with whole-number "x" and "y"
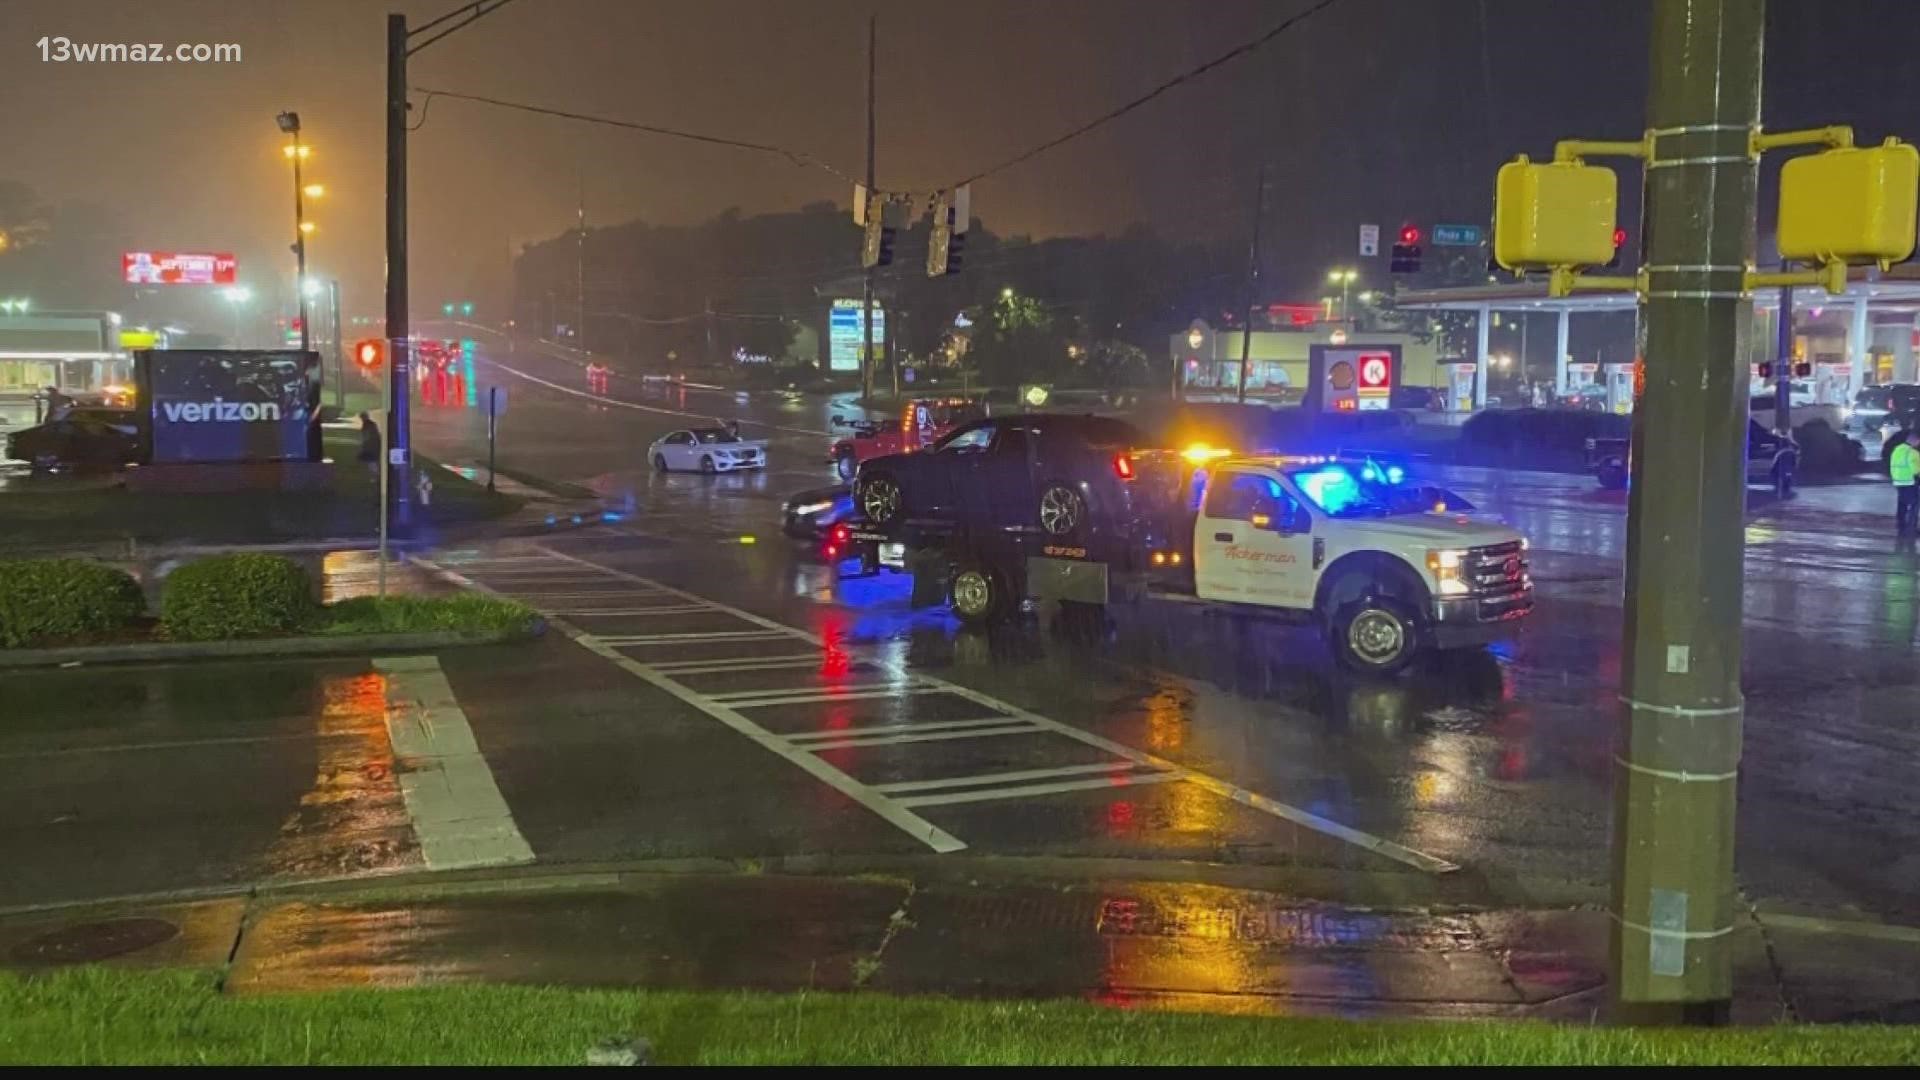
{"x": 218, "y": 411}
{"x": 1235, "y": 551}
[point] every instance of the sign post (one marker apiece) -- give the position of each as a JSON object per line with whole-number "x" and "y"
{"x": 493, "y": 423}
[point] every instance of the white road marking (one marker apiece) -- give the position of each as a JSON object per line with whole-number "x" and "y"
{"x": 738, "y": 663}
{"x": 1305, "y": 818}
{"x": 828, "y": 693}
{"x": 626, "y": 640}
{"x": 950, "y": 798}
{"x": 1007, "y": 727}
{"x": 987, "y": 779}
{"x": 458, "y": 813}
{"x": 876, "y": 730}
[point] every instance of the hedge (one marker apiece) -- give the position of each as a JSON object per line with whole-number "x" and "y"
{"x": 248, "y": 594}
{"x": 55, "y": 601}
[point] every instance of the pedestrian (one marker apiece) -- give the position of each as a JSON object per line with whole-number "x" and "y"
{"x": 57, "y": 402}
{"x": 369, "y": 440}
{"x": 1902, "y": 468}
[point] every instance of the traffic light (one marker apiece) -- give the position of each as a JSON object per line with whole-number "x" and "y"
{"x": 1802, "y": 370}
{"x": 1406, "y": 251}
{"x": 466, "y": 308}
{"x": 1619, "y": 241}
{"x": 878, "y": 247}
{"x": 947, "y": 244}
{"x": 1766, "y": 369}
{"x": 370, "y": 354}
{"x": 447, "y": 310}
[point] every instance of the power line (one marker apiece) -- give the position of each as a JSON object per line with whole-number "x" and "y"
{"x": 797, "y": 157}
{"x": 1187, "y": 76}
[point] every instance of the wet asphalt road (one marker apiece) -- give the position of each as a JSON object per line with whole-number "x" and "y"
{"x": 718, "y": 692}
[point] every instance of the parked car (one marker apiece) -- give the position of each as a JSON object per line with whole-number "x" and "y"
{"x": 707, "y": 450}
{"x": 922, "y": 422}
{"x": 79, "y": 437}
{"x": 807, "y": 515}
{"x": 1772, "y": 460}
{"x": 1068, "y": 476}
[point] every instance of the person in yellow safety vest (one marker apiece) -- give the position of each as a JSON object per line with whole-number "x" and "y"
{"x": 1904, "y": 467}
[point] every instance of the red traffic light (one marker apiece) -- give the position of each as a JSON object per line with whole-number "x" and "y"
{"x": 1409, "y": 234}
{"x": 1619, "y": 237}
{"x": 370, "y": 354}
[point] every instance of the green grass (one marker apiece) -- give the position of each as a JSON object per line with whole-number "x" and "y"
{"x": 105, "y": 1015}
{"x": 55, "y": 514}
{"x": 469, "y": 613}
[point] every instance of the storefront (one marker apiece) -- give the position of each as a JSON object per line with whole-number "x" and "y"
{"x": 1208, "y": 360}
{"x": 77, "y": 353}
{"x": 1840, "y": 343}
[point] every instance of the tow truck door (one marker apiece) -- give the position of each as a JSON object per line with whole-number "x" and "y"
{"x": 1253, "y": 542}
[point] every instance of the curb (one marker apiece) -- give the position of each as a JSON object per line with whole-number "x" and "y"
{"x": 316, "y": 645}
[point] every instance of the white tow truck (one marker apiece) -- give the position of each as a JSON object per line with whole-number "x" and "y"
{"x": 1388, "y": 569}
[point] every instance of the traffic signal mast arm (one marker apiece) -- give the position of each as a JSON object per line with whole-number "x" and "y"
{"x": 1883, "y": 179}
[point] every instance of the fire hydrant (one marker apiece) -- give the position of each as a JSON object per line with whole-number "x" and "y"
{"x": 425, "y": 486}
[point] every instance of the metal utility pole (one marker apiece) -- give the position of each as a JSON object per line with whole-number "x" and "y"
{"x": 1679, "y": 747}
{"x": 339, "y": 350}
{"x": 580, "y": 267}
{"x": 1253, "y": 280}
{"x": 290, "y": 123}
{"x": 1783, "y": 361}
{"x": 866, "y": 288}
{"x": 399, "y": 342}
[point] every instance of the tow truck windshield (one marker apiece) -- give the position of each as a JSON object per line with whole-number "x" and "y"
{"x": 1371, "y": 490}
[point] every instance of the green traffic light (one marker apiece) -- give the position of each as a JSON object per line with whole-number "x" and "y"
{"x": 446, "y": 309}
{"x": 466, "y": 308}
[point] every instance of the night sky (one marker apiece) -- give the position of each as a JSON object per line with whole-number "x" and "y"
{"x": 1378, "y": 110}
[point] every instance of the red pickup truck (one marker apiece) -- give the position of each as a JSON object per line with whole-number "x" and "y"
{"x": 922, "y": 422}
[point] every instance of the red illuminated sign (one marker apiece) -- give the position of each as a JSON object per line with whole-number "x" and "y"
{"x": 178, "y": 267}
{"x": 1376, "y": 372}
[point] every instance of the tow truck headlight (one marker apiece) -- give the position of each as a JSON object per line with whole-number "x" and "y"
{"x": 1445, "y": 567}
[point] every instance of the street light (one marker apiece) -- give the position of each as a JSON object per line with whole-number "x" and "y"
{"x": 289, "y": 122}
{"x": 1006, "y": 293}
{"x": 314, "y": 191}
{"x": 1345, "y": 279}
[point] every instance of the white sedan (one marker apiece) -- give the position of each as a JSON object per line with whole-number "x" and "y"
{"x": 707, "y": 450}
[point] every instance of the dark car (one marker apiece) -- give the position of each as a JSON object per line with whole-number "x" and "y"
{"x": 1771, "y": 460}
{"x": 1069, "y": 476}
{"x": 807, "y": 515}
{"x": 81, "y": 437}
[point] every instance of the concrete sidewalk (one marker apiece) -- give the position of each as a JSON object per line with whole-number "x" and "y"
{"x": 1143, "y": 944}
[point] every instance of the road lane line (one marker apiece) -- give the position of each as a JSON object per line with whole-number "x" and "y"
{"x": 624, "y": 640}
{"x": 744, "y": 663}
{"x": 994, "y": 778}
{"x": 822, "y": 696}
{"x": 1399, "y": 853}
{"x": 951, "y": 798}
{"x": 1011, "y": 727}
{"x": 887, "y": 809}
{"x": 458, "y": 813}
{"x": 894, "y": 729}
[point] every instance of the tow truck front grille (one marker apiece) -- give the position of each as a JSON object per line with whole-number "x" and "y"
{"x": 1497, "y": 570}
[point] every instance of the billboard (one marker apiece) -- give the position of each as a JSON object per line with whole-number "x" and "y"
{"x": 178, "y": 267}
{"x": 229, "y": 405}
{"x": 846, "y": 334}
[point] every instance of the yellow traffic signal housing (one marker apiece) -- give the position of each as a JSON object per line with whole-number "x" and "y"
{"x": 1853, "y": 204}
{"x": 1557, "y": 214}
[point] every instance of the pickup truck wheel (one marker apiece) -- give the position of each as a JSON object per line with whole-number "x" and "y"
{"x": 1612, "y": 477}
{"x": 977, "y": 595}
{"x": 1375, "y": 635}
{"x": 846, "y": 464}
{"x": 879, "y": 499}
{"x": 1063, "y": 513}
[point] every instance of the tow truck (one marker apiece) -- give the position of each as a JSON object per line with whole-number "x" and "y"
{"x": 1389, "y": 570}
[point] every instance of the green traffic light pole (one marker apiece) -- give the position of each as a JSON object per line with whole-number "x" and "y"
{"x": 1673, "y": 901}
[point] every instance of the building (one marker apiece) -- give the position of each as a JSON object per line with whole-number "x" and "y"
{"x": 77, "y": 352}
{"x": 1208, "y": 360}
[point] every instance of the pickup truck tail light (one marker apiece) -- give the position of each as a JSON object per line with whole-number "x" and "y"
{"x": 1123, "y": 466}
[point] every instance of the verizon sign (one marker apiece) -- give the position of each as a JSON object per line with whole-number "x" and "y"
{"x": 206, "y": 406}
{"x": 178, "y": 267}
